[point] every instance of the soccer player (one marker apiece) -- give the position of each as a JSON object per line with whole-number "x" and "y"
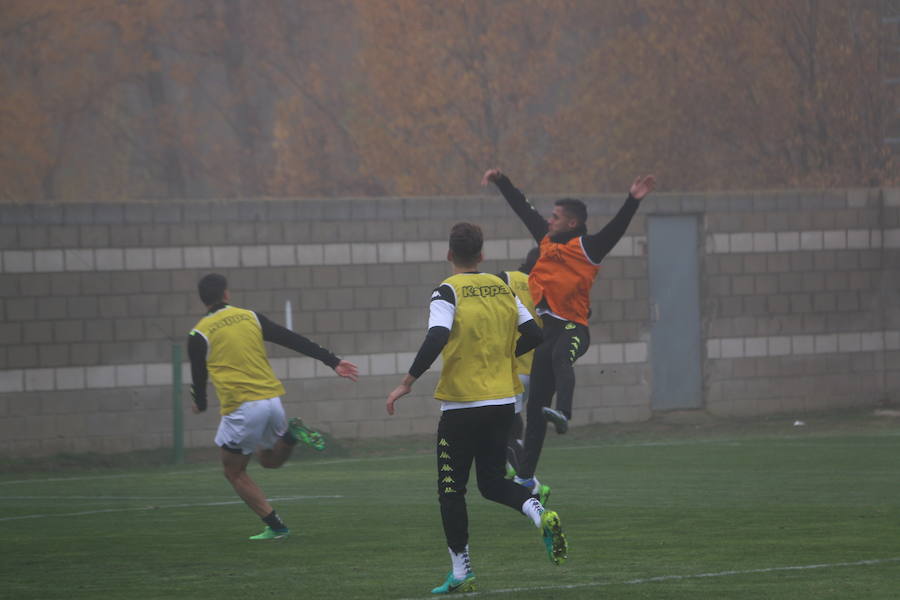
{"x": 474, "y": 320}
{"x": 227, "y": 345}
{"x": 560, "y": 285}
{"x": 518, "y": 282}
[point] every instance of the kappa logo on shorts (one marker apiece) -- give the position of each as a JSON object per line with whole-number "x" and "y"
{"x": 570, "y": 325}
{"x": 446, "y": 468}
{"x": 444, "y": 455}
{"x": 443, "y": 442}
{"x": 447, "y": 479}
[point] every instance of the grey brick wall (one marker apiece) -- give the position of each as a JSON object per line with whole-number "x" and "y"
{"x": 800, "y": 305}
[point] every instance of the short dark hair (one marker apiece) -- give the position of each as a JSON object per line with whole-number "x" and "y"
{"x": 466, "y": 241}
{"x": 575, "y": 208}
{"x": 212, "y": 288}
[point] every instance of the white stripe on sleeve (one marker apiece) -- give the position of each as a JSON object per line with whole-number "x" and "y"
{"x": 524, "y": 315}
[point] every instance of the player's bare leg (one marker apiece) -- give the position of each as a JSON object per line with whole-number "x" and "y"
{"x": 235, "y": 466}
{"x": 272, "y": 458}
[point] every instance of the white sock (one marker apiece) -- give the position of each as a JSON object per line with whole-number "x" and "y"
{"x": 461, "y": 566}
{"x": 533, "y": 509}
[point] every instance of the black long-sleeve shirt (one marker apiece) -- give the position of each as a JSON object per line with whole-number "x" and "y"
{"x": 596, "y": 245}
{"x": 271, "y": 332}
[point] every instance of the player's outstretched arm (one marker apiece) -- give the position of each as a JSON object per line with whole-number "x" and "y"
{"x": 535, "y": 223}
{"x": 347, "y": 370}
{"x": 275, "y": 333}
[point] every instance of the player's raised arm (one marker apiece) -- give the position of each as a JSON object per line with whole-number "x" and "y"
{"x": 598, "y": 245}
{"x": 535, "y": 223}
{"x": 643, "y": 185}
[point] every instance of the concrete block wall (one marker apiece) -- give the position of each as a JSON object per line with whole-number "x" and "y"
{"x": 799, "y": 294}
{"x": 801, "y": 303}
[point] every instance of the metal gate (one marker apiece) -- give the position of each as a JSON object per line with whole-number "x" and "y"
{"x": 675, "y": 305}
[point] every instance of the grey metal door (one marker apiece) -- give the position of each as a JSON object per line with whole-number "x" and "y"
{"x": 675, "y": 308}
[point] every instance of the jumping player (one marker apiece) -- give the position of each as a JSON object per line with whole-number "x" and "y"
{"x": 560, "y": 285}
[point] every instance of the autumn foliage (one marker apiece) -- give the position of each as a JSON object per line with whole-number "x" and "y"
{"x": 108, "y": 100}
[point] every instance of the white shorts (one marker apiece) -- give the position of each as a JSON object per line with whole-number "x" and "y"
{"x": 523, "y": 397}
{"x": 252, "y": 425}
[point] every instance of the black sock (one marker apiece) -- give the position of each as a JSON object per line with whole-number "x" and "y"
{"x": 274, "y": 521}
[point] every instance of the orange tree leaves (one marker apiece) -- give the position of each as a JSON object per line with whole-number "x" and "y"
{"x": 108, "y": 100}
{"x": 455, "y": 88}
{"x": 733, "y": 94}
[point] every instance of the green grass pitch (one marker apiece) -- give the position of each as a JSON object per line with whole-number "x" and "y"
{"x": 750, "y": 510}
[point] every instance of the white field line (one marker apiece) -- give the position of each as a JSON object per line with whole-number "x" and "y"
{"x": 148, "y": 508}
{"x": 67, "y": 498}
{"x": 94, "y": 477}
{"x": 338, "y": 461}
{"x": 319, "y": 463}
{"x": 662, "y": 578}
{"x": 725, "y": 442}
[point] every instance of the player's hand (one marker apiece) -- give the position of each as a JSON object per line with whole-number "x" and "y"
{"x": 347, "y": 369}
{"x": 399, "y": 391}
{"x": 490, "y": 176}
{"x": 642, "y": 186}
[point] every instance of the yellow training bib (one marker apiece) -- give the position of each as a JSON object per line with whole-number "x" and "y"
{"x": 518, "y": 281}
{"x": 236, "y": 358}
{"x": 479, "y": 358}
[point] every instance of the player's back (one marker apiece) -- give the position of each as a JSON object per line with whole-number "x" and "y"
{"x": 236, "y": 357}
{"x": 479, "y": 358}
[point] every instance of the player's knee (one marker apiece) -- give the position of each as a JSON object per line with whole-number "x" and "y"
{"x": 233, "y": 472}
{"x": 564, "y": 366}
{"x": 491, "y": 491}
{"x": 269, "y": 461}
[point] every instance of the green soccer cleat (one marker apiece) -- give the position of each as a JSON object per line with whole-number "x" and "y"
{"x": 452, "y": 584}
{"x": 510, "y": 471}
{"x": 272, "y": 534}
{"x": 304, "y": 434}
{"x": 543, "y": 494}
{"x": 554, "y": 538}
